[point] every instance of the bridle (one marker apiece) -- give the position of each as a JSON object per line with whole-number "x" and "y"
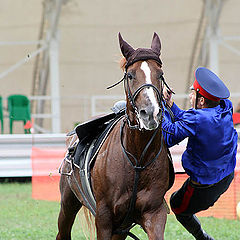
{"x": 132, "y": 97}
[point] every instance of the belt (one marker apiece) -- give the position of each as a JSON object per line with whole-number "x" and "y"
{"x": 208, "y": 185}
{"x": 196, "y": 183}
{"x": 201, "y": 185}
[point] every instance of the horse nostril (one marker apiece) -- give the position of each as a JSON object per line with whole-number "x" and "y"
{"x": 153, "y": 125}
{"x": 143, "y": 114}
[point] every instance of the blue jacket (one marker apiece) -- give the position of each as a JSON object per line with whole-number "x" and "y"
{"x": 212, "y": 141}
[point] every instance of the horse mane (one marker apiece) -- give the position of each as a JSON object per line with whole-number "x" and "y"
{"x": 123, "y": 63}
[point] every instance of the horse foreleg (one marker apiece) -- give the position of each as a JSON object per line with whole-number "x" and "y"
{"x": 119, "y": 237}
{"x": 103, "y": 222}
{"x": 154, "y": 223}
{"x": 69, "y": 209}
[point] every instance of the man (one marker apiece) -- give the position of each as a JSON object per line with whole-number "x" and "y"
{"x": 210, "y": 156}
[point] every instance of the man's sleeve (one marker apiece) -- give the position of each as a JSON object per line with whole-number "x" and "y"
{"x": 184, "y": 126}
{"x": 177, "y": 112}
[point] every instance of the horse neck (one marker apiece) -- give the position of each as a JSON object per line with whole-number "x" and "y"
{"x": 135, "y": 141}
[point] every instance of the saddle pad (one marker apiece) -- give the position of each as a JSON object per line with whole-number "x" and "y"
{"x": 86, "y": 161}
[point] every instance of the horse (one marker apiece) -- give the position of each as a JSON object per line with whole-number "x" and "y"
{"x": 131, "y": 171}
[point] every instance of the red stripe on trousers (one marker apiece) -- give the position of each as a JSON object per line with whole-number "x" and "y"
{"x": 185, "y": 202}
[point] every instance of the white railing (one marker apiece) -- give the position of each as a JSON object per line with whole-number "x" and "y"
{"x": 16, "y": 151}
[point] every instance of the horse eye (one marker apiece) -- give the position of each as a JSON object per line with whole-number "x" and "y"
{"x": 130, "y": 76}
{"x": 160, "y": 76}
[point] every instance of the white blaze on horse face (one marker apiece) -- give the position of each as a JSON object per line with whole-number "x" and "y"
{"x": 150, "y": 92}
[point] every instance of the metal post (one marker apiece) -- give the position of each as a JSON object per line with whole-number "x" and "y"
{"x": 214, "y": 11}
{"x": 54, "y": 68}
{"x": 55, "y": 83}
{"x": 213, "y": 54}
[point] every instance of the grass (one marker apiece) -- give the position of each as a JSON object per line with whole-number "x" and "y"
{"x": 22, "y": 218}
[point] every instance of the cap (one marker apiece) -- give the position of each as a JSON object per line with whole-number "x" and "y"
{"x": 141, "y": 54}
{"x": 209, "y": 85}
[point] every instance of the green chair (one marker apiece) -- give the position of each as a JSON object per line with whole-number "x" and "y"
{"x": 1, "y": 114}
{"x": 19, "y": 110}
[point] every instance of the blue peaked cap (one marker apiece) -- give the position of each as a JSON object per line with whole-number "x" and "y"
{"x": 211, "y": 83}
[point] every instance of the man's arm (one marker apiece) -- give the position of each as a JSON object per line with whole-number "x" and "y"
{"x": 177, "y": 131}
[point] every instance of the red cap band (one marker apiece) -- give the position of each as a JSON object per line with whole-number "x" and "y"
{"x": 204, "y": 93}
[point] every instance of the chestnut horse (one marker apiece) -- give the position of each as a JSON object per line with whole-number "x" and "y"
{"x": 130, "y": 175}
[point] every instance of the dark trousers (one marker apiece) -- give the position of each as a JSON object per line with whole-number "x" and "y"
{"x": 192, "y": 198}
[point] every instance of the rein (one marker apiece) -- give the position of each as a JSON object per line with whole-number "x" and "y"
{"x": 137, "y": 165}
{"x": 138, "y": 168}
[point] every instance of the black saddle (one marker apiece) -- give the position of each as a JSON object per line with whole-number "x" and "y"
{"x": 93, "y": 131}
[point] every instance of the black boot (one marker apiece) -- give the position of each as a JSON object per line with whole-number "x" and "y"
{"x": 205, "y": 236}
{"x": 193, "y": 225}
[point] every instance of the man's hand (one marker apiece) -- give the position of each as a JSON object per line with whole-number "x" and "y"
{"x": 168, "y": 96}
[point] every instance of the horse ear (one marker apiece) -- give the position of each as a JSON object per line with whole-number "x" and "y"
{"x": 126, "y": 49}
{"x": 156, "y": 44}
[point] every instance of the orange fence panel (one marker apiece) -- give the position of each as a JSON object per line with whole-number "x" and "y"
{"x": 45, "y": 176}
{"x": 45, "y": 181}
{"x": 226, "y": 205}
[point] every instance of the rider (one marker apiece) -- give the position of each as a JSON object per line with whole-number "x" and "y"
{"x": 210, "y": 156}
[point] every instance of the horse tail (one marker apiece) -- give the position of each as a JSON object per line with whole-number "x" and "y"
{"x": 88, "y": 226}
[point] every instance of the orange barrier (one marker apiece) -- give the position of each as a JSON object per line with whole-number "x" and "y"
{"x": 45, "y": 182}
{"x": 226, "y": 205}
{"x": 45, "y": 176}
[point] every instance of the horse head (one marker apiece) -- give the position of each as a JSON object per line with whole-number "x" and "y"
{"x": 143, "y": 85}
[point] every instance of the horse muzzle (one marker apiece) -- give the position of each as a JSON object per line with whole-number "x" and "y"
{"x": 149, "y": 118}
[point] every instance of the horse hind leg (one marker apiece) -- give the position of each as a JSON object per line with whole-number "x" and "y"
{"x": 70, "y": 206}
